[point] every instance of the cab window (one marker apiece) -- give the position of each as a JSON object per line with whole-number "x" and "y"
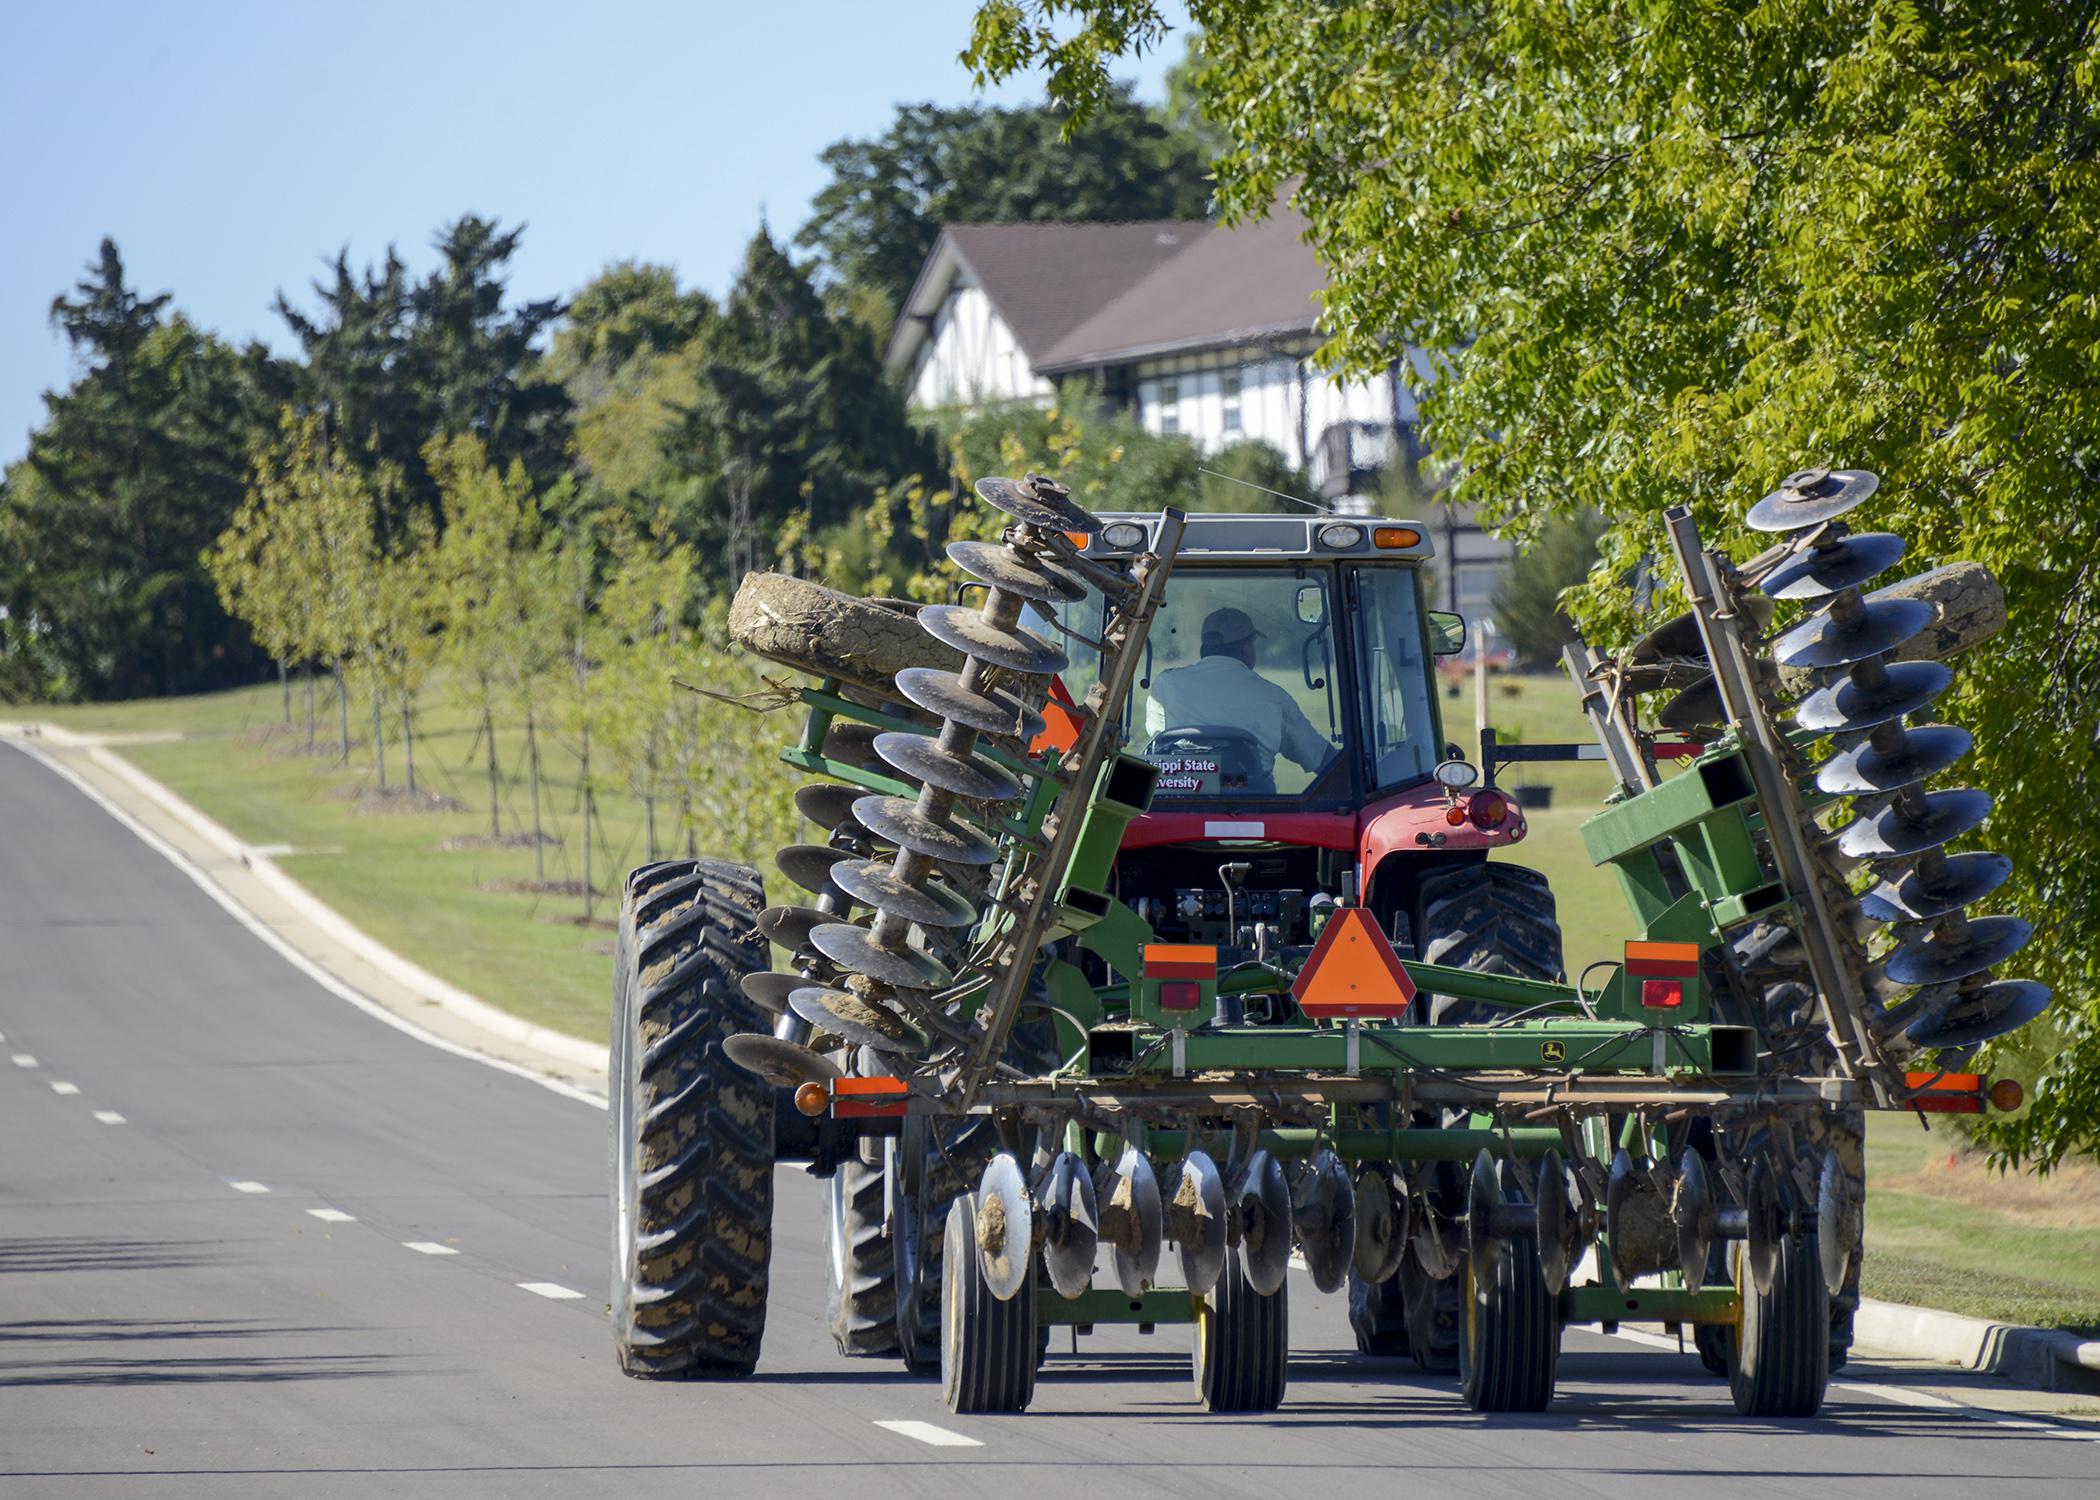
{"x": 1399, "y": 718}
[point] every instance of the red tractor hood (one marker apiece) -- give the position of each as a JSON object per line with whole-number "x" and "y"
{"x": 1411, "y": 822}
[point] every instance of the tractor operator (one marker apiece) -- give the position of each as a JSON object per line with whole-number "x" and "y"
{"x": 1222, "y": 689}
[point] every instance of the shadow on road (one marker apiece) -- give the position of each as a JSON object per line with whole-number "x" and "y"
{"x": 70, "y": 1252}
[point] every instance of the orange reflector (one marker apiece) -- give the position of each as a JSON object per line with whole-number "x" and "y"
{"x": 2007, "y": 1095}
{"x": 1396, "y": 536}
{"x": 1060, "y": 721}
{"x": 1353, "y": 971}
{"x": 1180, "y": 961}
{"x": 812, "y": 1099}
{"x": 1946, "y": 1093}
{"x": 1455, "y": 814}
{"x": 1662, "y": 960}
{"x": 865, "y": 1098}
{"x": 1078, "y": 539}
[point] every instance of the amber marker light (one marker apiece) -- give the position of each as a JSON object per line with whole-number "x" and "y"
{"x": 812, "y": 1098}
{"x": 2007, "y": 1095}
{"x": 1396, "y": 536}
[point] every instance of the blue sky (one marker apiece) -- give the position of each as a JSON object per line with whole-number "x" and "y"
{"x": 232, "y": 148}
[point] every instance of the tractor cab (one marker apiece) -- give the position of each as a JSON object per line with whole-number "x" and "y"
{"x": 1287, "y": 697}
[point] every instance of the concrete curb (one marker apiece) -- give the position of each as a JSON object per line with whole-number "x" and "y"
{"x": 567, "y": 1054}
{"x": 2045, "y": 1359}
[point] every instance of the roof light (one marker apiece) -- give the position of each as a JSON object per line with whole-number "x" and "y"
{"x": 1338, "y": 536}
{"x": 1456, "y": 775}
{"x": 1124, "y": 536}
{"x": 1396, "y": 536}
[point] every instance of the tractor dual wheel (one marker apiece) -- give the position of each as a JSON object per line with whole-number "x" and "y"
{"x": 1510, "y": 1341}
{"x": 989, "y": 1346}
{"x": 1241, "y": 1344}
{"x": 692, "y": 1133}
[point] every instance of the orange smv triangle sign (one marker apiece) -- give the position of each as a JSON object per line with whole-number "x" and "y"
{"x": 1353, "y": 972}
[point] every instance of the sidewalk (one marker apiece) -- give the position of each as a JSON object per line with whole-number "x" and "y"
{"x": 286, "y": 914}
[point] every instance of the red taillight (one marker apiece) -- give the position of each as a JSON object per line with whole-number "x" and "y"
{"x": 1662, "y": 994}
{"x": 1487, "y": 809}
{"x": 1180, "y": 994}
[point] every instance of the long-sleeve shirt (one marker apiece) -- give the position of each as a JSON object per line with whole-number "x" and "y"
{"x": 1224, "y": 691}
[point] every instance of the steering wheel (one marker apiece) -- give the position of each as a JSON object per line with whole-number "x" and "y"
{"x": 1237, "y": 752}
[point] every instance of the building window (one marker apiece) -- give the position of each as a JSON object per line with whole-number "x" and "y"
{"x": 1170, "y": 406}
{"x": 1229, "y": 388}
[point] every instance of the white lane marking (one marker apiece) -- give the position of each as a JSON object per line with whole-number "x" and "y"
{"x": 428, "y": 1247}
{"x": 1897, "y": 1394}
{"x": 553, "y": 1289}
{"x": 246, "y": 1187}
{"x": 926, "y": 1432}
{"x": 332, "y": 1216}
{"x": 65, "y": 1088}
{"x": 109, "y": 1117}
{"x": 24, "y": 1060}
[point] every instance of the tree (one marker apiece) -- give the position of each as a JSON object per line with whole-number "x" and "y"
{"x": 875, "y": 220}
{"x": 138, "y": 466}
{"x": 1528, "y": 602}
{"x": 1686, "y": 249}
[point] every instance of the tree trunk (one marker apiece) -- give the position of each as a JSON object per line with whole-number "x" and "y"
{"x": 378, "y": 738}
{"x": 532, "y": 761}
{"x": 587, "y": 808}
{"x": 342, "y": 714}
{"x": 309, "y": 708}
{"x": 284, "y": 686}
{"x": 408, "y": 746}
{"x": 488, "y": 733}
{"x": 685, "y": 817}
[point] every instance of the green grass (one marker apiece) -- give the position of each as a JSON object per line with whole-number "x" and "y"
{"x": 466, "y": 914}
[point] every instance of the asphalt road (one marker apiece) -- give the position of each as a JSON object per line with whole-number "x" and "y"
{"x": 255, "y": 1242}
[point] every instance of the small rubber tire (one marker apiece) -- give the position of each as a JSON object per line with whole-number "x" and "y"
{"x": 860, "y": 1287}
{"x": 1378, "y": 1316}
{"x": 692, "y": 1133}
{"x": 1779, "y": 1356}
{"x": 1241, "y": 1344}
{"x": 1509, "y": 1346}
{"x": 988, "y": 1347}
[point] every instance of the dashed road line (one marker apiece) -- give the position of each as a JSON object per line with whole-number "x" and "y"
{"x": 65, "y": 1088}
{"x": 24, "y": 1060}
{"x": 332, "y": 1216}
{"x": 926, "y": 1432}
{"x": 244, "y": 1186}
{"x": 428, "y": 1247}
{"x": 551, "y": 1289}
{"x": 109, "y": 1117}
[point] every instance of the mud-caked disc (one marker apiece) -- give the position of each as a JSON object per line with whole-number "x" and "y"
{"x": 1323, "y": 1212}
{"x": 1196, "y": 1222}
{"x": 929, "y": 903}
{"x": 1906, "y": 687}
{"x": 1132, "y": 1221}
{"x": 1016, "y": 648}
{"x": 855, "y": 950}
{"x": 1825, "y": 640}
{"x": 898, "y": 821}
{"x": 1037, "y": 501}
{"x": 1848, "y": 562}
{"x": 1809, "y": 497}
{"x": 943, "y": 693}
{"x": 1071, "y": 1225}
{"x": 924, "y": 760}
{"x": 1005, "y": 1226}
{"x": 769, "y": 992}
{"x": 1015, "y": 573}
{"x": 782, "y": 1064}
{"x": 789, "y": 927}
{"x": 861, "y": 1022}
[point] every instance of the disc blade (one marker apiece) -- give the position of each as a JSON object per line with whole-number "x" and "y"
{"x": 1381, "y": 1226}
{"x": 1926, "y": 750}
{"x": 1071, "y": 1226}
{"x": 930, "y": 904}
{"x": 923, "y": 760}
{"x": 1692, "y": 1212}
{"x": 809, "y": 865}
{"x": 789, "y": 927}
{"x": 943, "y": 693}
{"x": 1907, "y": 687}
{"x": 1837, "y": 1223}
{"x": 1960, "y": 880}
{"x": 1824, "y": 640}
{"x": 1559, "y": 1225}
{"x": 1132, "y": 1216}
{"x": 1697, "y": 707}
{"x": 1982, "y": 944}
{"x": 1264, "y": 1212}
{"x": 861, "y": 1022}
{"x": 900, "y": 822}
{"x": 855, "y": 950}
{"x": 1808, "y": 497}
{"x": 1761, "y": 1212}
{"x": 1898, "y": 831}
{"x": 1016, "y": 648}
{"x": 1846, "y": 563}
{"x": 1982, "y": 1014}
{"x": 829, "y": 805}
{"x": 769, "y": 992}
{"x": 782, "y": 1064}
{"x": 851, "y": 741}
{"x": 1014, "y": 572}
{"x": 1195, "y": 1221}
{"x": 1038, "y": 501}
{"x": 1676, "y": 639}
{"x": 1435, "y": 1236}
{"x": 1005, "y": 1226}
{"x": 1483, "y": 1197}
{"x": 1323, "y": 1214}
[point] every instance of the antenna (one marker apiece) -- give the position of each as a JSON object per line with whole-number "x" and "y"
{"x": 1325, "y": 510}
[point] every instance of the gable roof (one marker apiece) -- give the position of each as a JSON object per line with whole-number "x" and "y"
{"x": 1230, "y": 286}
{"x": 1045, "y": 279}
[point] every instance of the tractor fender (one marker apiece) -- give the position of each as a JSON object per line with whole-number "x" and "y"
{"x": 1410, "y": 822}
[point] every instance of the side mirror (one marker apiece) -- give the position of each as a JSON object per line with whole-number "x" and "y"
{"x": 1447, "y": 632}
{"x": 1312, "y": 604}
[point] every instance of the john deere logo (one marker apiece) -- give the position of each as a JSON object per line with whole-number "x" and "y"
{"x": 1553, "y": 1051}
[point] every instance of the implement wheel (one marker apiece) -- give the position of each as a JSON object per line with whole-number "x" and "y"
{"x": 860, "y": 1288}
{"x": 1242, "y": 1344}
{"x": 1779, "y": 1359}
{"x": 1510, "y": 1340}
{"x": 692, "y": 1133}
{"x": 989, "y": 1348}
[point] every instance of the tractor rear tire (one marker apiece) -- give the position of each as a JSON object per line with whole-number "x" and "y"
{"x": 860, "y": 1288}
{"x": 989, "y": 1348}
{"x": 1779, "y": 1356}
{"x": 1242, "y": 1344}
{"x": 692, "y": 1132}
{"x": 1492, "y": 918}
{"x": 1511, "y": 1339}
{"x": 1378, "y": 1316}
